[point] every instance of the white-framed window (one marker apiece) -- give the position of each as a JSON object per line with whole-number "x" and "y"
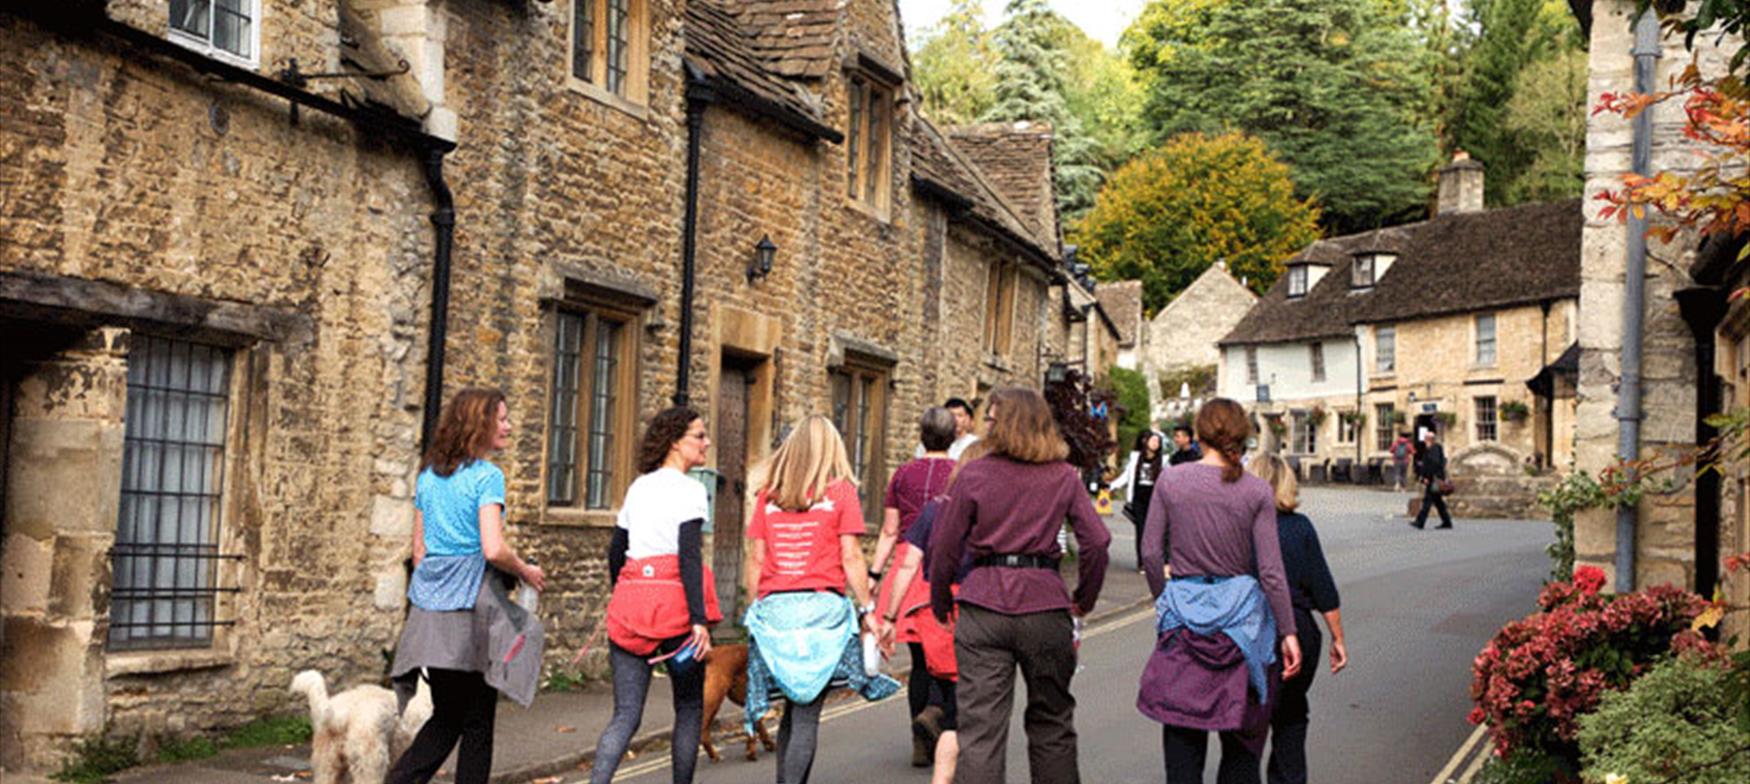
{"x": 1304, "y": 436}
{"x": 1385, "y": 349}
{"x": 1252, "y": 365}
{"x": 610, "y": 47}
{"x": 1297, "y": 277}
{"x": 228, "y": 30}
{"x": 1348, "y": 427}
{"x": 1487, "y": 429}
{"x": 1485, "y": 329}
{"x": 1361, "y": 274}
{"x": 1316, "y": 355}
{"x": 166, "y": 557}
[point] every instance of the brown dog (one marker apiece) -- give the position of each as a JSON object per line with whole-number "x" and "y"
{"x": 726, "y": 676}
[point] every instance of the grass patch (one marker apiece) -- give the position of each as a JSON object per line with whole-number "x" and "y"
{"x": 173, "y": 750}
{"x": 96, "y": 759}
{"x": 564, "y": 680}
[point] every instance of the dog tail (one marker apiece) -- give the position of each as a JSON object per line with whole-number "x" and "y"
{"x": 314, "y": 688}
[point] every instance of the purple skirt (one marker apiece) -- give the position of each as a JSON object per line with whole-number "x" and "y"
{"x": 1201, "y": 683}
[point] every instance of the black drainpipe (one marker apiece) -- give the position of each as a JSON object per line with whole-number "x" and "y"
{"x": 443, "y": 221}
{"x": 698, "y": 97}
{"x": 1703, "y": 307}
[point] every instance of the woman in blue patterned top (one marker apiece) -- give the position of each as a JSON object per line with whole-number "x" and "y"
{"x": 458, "y": 529}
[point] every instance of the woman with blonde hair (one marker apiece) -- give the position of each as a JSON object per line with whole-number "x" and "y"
{"x": 1004, "y": 513}
{"x": 1312, "y": 589}
{"x": 1227, "y": 600}
{"x": 803, "y": 554}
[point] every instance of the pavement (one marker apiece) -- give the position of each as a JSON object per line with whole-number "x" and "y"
{"x": 555, "y": 737}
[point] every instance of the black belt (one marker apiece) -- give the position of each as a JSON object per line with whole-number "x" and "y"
{"x": 1017, "y": 561}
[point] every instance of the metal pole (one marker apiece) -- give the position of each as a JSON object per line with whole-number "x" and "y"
{"x": 1647, "y": 50}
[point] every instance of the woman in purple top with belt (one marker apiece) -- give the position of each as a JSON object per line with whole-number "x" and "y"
{"x": 1215, "y": 521}
{"x": 1005, "y": 512}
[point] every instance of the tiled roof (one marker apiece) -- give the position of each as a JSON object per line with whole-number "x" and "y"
{"x": 792, "y": 38}
{"x": 1453, "y": 263}
{"x": 722, "y": 52}
{"x": 1122, "y": 300}
{"x": 936, "y": 162}
{"x": 1016, "y": 158}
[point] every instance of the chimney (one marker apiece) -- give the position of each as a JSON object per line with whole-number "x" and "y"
{"x": 1461, "y": 186}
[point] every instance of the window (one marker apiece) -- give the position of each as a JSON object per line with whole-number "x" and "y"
{"x": 1252, "y": 365}
{"x": 999, "y": 308}
{"x": 1304, "y": 434}
{"x": 1486, "y": 425}
{"x": 224, "y": 29}
{"x": 1384, "y": 424}
{"x": 859, "y": 411}
{"x": 1361, "y": 274}
{"x": 590, "y": 416}
{"x": 166, "y": 553}
{"x": 1317, "y": 351}
{"x": 609, "y": 46}
{"x": 1297, "y": 281}
{"x": 1486, "y": 340}
{"x": 1348, "y": 427}
{"x": 1385, "y": 349}
{"x": 867, "y": 147}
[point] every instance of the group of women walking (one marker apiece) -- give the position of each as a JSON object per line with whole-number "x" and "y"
{"x": 965, "y": 574}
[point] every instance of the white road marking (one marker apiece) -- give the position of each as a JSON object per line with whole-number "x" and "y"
{"x": 1458, "y": 758}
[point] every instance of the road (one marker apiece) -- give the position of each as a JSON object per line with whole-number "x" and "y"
{"x": 1417, "y": 605}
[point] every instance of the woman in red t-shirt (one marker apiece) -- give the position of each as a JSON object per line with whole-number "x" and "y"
{"x": 804, "y": 536}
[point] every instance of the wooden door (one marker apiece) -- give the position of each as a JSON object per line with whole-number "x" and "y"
{"x": 733, "y": 384}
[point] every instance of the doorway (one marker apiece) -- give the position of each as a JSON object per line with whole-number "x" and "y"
{"x": 734, "y": 385}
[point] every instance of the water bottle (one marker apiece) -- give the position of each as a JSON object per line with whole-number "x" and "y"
{"x": 871, "y": 656}
{"x": 527, "y": 597}
{"x": 682, "y": 660}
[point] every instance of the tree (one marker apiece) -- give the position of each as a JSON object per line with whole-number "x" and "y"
{"x": 1547, "y": 117}
{"x": 1330, "y": 85}
{"x": 953, "y": 66}
{"x": 1512, "y": 36}
{"x": 1030, "y": 85}
{"x": 1167, "y": 215}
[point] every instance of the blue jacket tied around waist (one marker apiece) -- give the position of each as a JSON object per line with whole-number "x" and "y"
{"x": 1234, "y": 606}
{"x": 801, "y": 643}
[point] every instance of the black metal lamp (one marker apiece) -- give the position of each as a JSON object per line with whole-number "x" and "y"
{"x": 761, "y": 265}
{"x": 1056, "y": 373}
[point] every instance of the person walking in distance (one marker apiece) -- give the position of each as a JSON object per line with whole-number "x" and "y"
{"x": 1005, "y": 511}
{"x": 1401, "y": 452}
{"x": 664, "y": 596}
{"x": 1185, "y": 448}
{"x": 913, "y": 485}
{"x": 458, "y": 533}
{"x": 1313, "y": 590}
{"x": 1227, "y": 602}
{"x": 965, "y": 427}
{"x": 1138, "y": 481}
{"x": 1431, "y": 470}
{"x": 803, "y": 554}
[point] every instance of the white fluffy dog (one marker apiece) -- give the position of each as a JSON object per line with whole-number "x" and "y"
{"x": 356, "y": 734}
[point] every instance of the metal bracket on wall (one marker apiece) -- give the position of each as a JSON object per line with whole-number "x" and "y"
{"x": 292, "y": 76}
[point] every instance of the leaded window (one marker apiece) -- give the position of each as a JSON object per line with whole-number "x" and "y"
{"x": 868, "y": 144}
{"x": 1487, "y": 424}
{"x": 609, "y": 45}
{"x": 859, "y": 411}
{"x": 588, "y": 427}
{"x": 219, "y": 27}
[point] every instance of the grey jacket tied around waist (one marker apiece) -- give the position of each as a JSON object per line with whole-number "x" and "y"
{"x": 497, "y": 637}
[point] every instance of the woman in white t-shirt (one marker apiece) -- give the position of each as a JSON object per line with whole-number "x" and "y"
{"x": 664, "y": 597}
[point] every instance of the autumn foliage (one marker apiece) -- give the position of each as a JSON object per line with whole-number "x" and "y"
{"x": 1169, "y": 214}
{"x": 1714, "y": 197}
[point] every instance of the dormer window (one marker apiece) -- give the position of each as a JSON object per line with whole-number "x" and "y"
{"x": 1362, "y": 273}
{"x": 1297, "y": 280}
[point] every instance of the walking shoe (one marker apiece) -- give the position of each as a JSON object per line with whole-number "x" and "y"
{"x": 928, "y": 725}
{"x": 1448, "y": 526}
{"x": 1415, "y": 526}
{"x": 922, "y": 753}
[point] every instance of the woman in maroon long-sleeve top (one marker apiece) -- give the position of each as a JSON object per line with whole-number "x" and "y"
{"x": 1217, "y": 521}
{"x": 1004, "y": 515}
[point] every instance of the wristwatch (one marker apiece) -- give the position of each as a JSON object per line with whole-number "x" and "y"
{"x": 874, "y": 575}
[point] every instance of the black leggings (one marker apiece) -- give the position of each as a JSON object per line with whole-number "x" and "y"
{"x": 462, "y": 708}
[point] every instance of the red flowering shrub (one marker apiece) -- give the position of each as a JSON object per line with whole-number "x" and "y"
{"x": 1539, "y": 674}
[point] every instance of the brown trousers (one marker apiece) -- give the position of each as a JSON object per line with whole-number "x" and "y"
{"x": 989, "y": 646}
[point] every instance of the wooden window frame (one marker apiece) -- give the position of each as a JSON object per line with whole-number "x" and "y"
{"x": 1001, "y": 284}
{"x": 1299, "y": 280}
{"x": 1251, "y": 365}
{"x": 1385, "y": 363}
{"x": 1316, "y": 357}
{"x": 1492, "y": 422}
{"x": 868, "y": 454}
{"x": 1301, "y": 431}
{"x": 869, "y": 116}
{"x": 1365, "y": 262}
{"x": 1494, "y": 341}
{"x": 1385, "y": 426}
{"x": 622, "y": 447}
{"x": 634, "y": 93}
{"x": 1347, "y": 431}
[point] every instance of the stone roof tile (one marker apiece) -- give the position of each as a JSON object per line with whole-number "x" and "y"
{"x": 1122, "y": 300}
{"x": 1016, "y": 158}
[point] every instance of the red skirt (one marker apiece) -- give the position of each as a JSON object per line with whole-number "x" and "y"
{"x": 916, "y": 595}
{"x": 649, "y": 604}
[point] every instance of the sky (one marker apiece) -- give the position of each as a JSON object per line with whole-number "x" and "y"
{"x": 1104, "y": 20}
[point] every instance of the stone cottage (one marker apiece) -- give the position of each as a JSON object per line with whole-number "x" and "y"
{"x": 1179, "y": 343}
{"x": 228, "y": 264}
{"x": 1446, "y": 324}
{"x": 1122, "y": 300}
{"x": 1687, "y": 339}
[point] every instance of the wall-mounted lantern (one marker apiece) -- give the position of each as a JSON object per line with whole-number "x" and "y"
{"x": 761, "y": 265}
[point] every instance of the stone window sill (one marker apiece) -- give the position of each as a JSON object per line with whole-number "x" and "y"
{"x": 996, "y": 362}
{"x": 580, "y": 518}
{"x": 596, "y": 93}
{"x": 157, "y": 662}
{"x": 867, "y": 210}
